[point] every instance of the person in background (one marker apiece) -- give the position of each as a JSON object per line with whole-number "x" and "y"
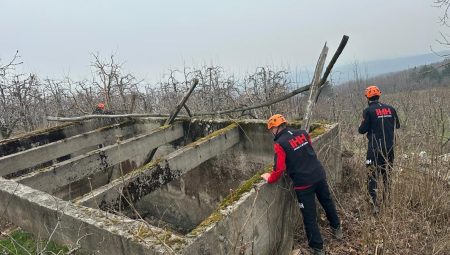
{"x": 99, "y": 109}
{"x": 295, "y": 155}
{"x": 379, "y": 123}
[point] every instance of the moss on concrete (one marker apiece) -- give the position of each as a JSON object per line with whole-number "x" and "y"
{"x": 147, "y": 166}
{"x": 319, "y": 130}
{"x": 213, "y": 218}
{"x": 121, "y": 124}
{"x": 214, "y": 134}
{"x": 165, "y": 236}
{"x": 171, "y": 239}
{"x": 244, "y": 188}
{"x": 142, "y": 231}
{"x": 229, "y": 200}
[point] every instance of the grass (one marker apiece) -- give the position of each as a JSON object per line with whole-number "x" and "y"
{"x": 21, "y": 242}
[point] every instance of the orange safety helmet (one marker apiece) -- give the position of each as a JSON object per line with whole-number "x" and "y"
{"x": 275, "y": 121}
{"x": 101, "y": 106}
{"x": 372, "y": 91}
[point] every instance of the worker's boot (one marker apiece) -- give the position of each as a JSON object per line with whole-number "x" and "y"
{"x": 337, "y": 233}
{"x": 316, "y": 251}
{"x": 375, "y": 210}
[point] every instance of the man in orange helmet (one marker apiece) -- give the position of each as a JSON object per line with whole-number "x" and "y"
{"x": 379, "y": 122}
{"x": 99, "y": 109}
{"x": 295, "y": 154}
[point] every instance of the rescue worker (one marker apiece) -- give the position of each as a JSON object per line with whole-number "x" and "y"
{"x": 100, "y": 109}
{"x": 295, "y": 155}
{"x": 379, "y": 122}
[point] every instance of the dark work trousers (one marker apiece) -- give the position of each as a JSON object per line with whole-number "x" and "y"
{"x": 380, "y": 168}
{"x": 307, "y": 200}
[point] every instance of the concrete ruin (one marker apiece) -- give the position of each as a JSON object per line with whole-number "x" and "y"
{"x": 85, "y": 184}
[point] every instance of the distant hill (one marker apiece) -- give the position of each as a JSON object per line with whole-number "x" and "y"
{"x": 374, "y": 68}
{"x": 418, "y": 77}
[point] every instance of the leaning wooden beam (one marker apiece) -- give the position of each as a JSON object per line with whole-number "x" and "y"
{"x": 143, "y": 181}
{"x": 61, "y": 174}
{"x": 271, "y": 102}
{"x": 290, "y": 94}
{"x": 38, "y": 155}
{"x": 181, "y": 103}
{"x": 336, "y": 55}
{"x": 174, "y": 115}
{"x": 315, "y": 86}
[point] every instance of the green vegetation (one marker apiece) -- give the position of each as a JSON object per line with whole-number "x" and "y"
{"x": 21, "y": 242}
{"x": 318, "y": 130}
{"x": 229, "y": 200}
{"x": 427, "y": 71}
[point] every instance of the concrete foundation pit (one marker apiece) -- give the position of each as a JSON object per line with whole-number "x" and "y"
{"x": 200, "y": 194}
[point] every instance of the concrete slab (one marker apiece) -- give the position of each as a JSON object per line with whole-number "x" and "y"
{"x": 53, "y": 178}
{"x": 48, "y": 135}
{"x": 37, "y": 155}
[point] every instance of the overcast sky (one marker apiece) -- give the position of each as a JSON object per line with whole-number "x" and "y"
{"x": 56, "y": 38}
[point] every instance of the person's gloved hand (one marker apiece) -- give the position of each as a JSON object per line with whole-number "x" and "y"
{"x": 265, "y": 176}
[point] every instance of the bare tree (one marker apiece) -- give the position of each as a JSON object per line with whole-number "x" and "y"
{"x": 110, "y": 79}
{"x": 445, "y": 5}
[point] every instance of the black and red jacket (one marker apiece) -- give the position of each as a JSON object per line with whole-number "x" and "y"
{"x": 379, "y": 122}
{"x": 294, "y": 153}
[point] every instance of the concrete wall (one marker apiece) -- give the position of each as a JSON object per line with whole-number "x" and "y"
{"x": 261, "y": 220}
{"x": 97, "y": 232}
{"x": 329, "y": 151}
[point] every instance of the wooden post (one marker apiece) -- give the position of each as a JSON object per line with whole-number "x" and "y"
{"x": 181, "y": 103}
{"x": 315, "y": 85}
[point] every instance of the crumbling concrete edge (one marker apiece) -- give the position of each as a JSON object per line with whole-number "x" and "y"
{"x": 67, "y": 223}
